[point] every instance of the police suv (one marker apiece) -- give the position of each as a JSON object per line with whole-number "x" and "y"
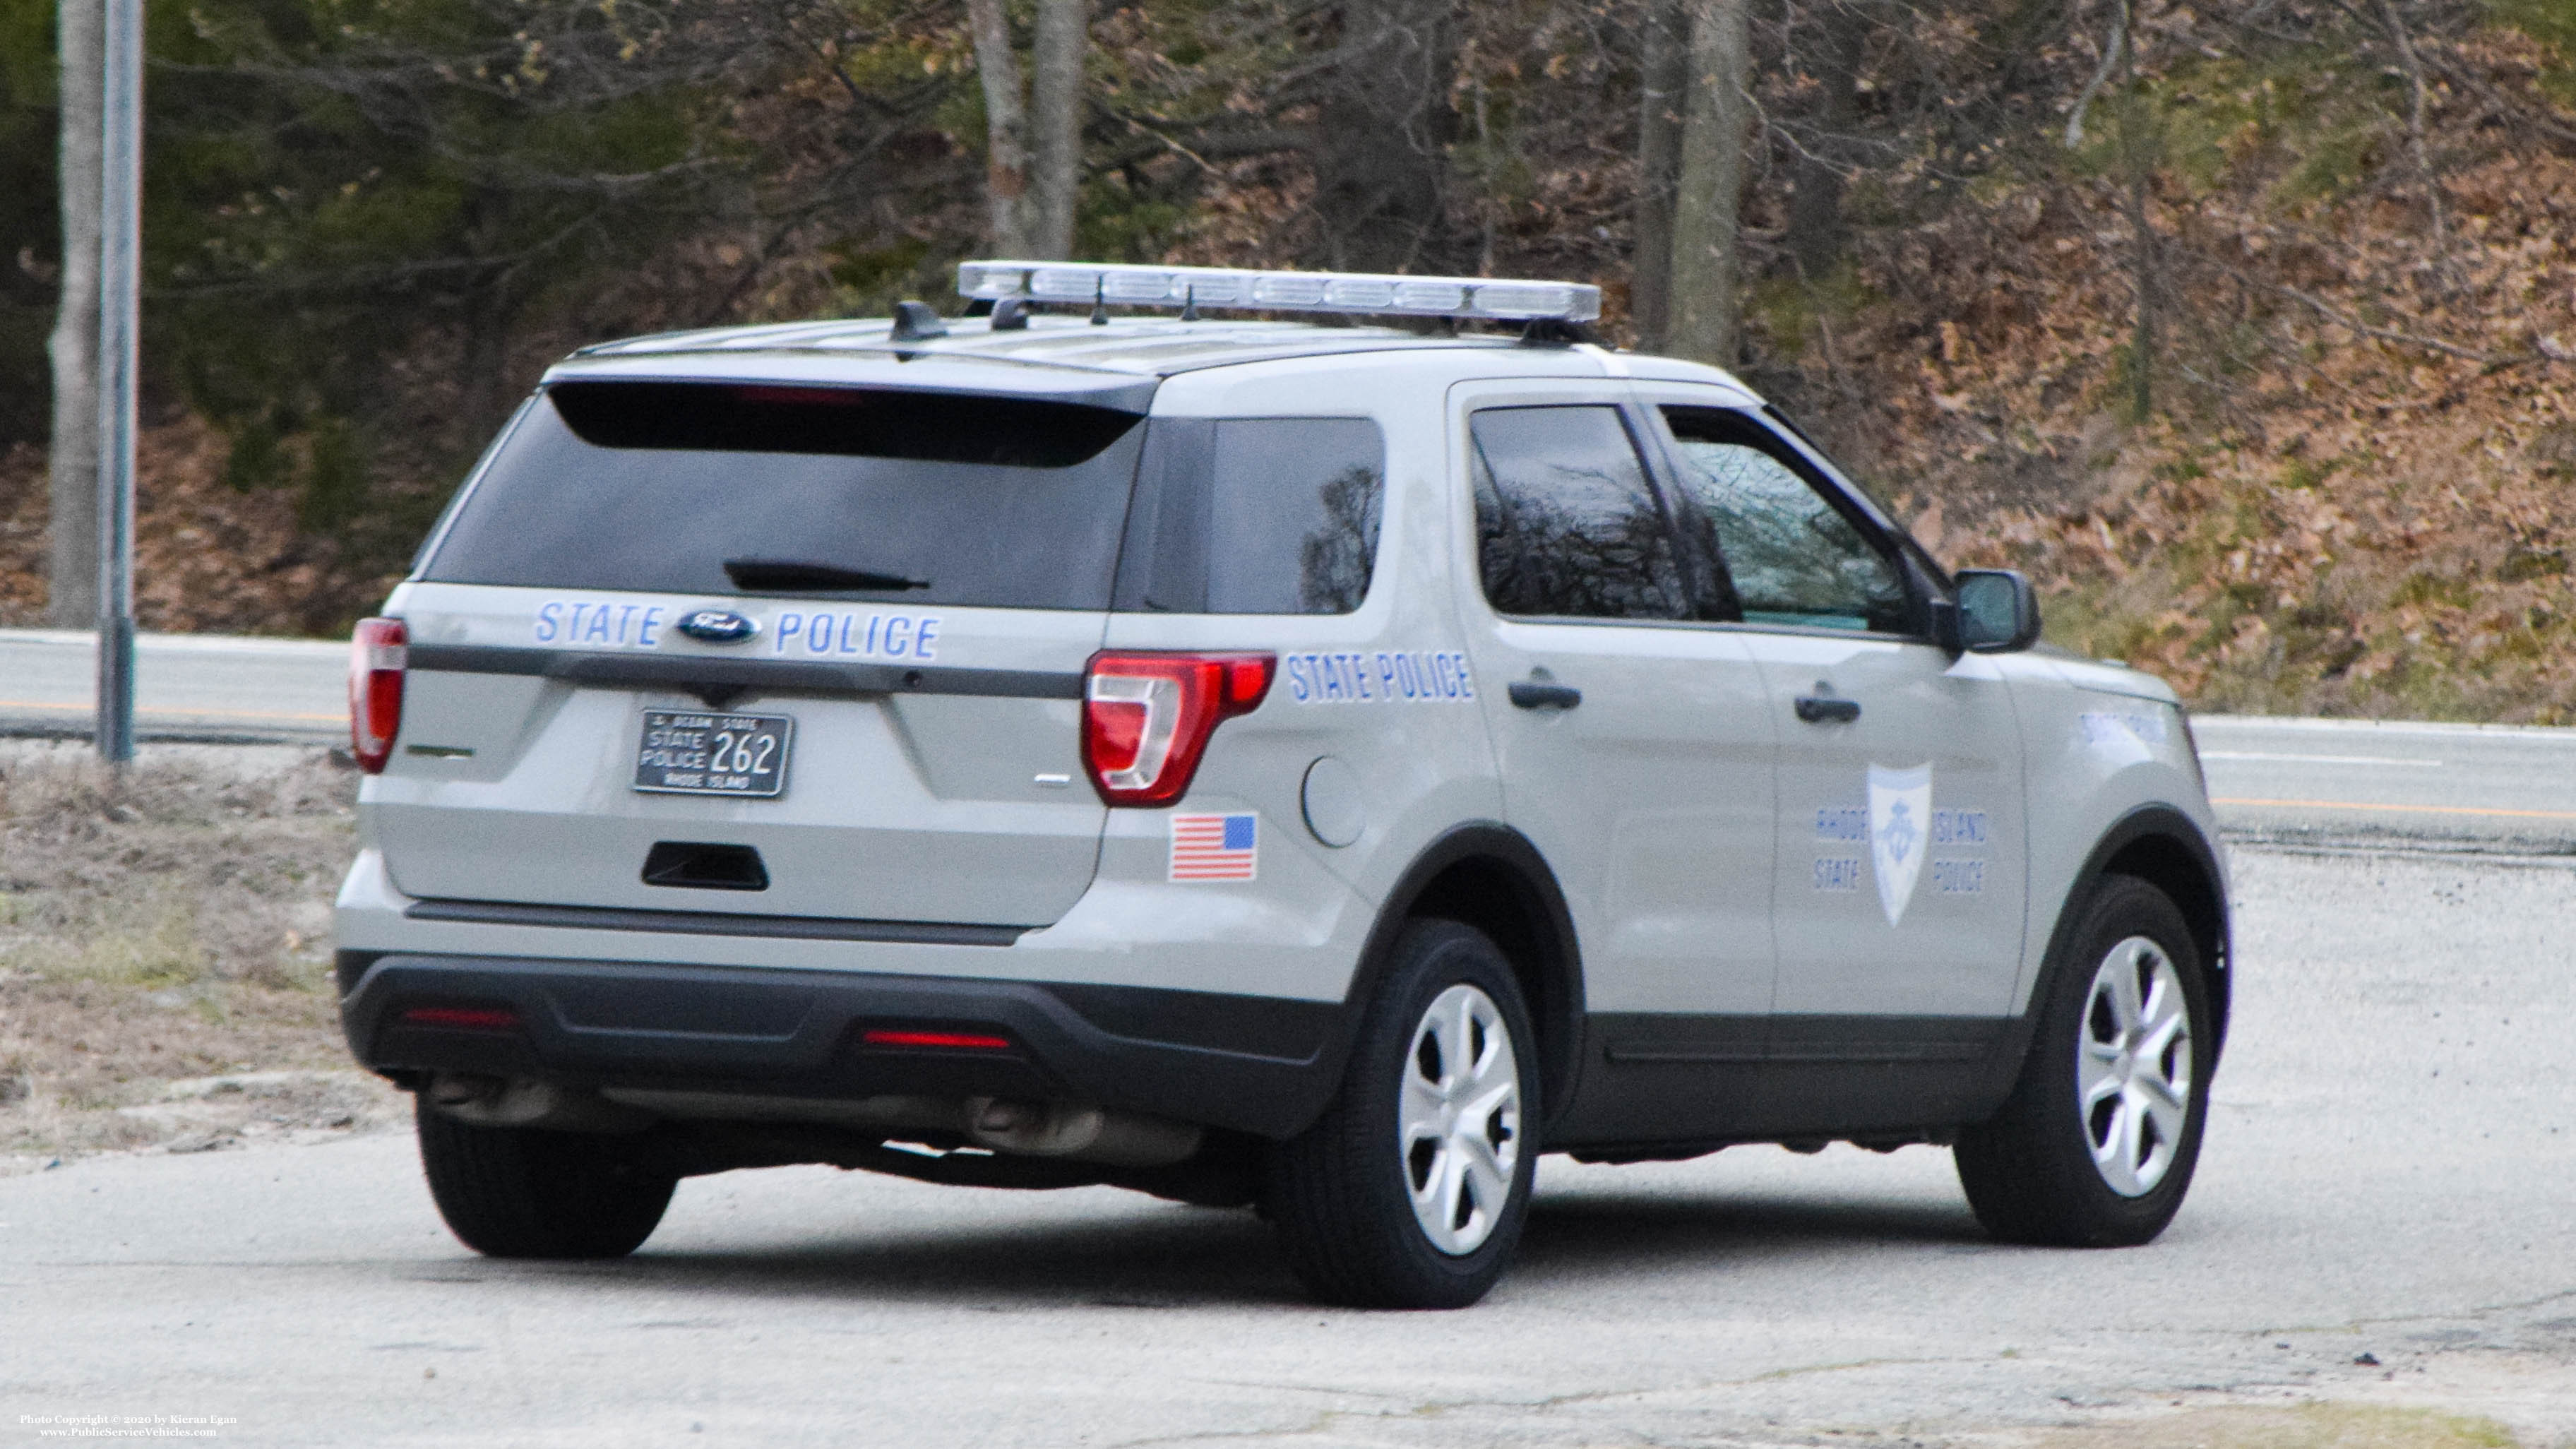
{"x": 1314, "y": 766}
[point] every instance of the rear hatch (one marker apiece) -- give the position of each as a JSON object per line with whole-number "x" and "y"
{"x": 776, "y": 650}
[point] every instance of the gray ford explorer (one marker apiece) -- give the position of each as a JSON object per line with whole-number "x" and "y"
{"x": 1259, "y": 763}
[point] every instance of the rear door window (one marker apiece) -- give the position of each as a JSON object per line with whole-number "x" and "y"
{"x": 719, "y": 488}
{"x": 1566, "y": 523}
{"x": 1257, "y": 516}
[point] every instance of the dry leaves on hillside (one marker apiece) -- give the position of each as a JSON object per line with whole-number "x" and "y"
{"x": 208, "y": 558}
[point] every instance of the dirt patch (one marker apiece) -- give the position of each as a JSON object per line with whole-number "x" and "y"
{"x": 2307, "y": 1426}
{"x": 164, "y": 928}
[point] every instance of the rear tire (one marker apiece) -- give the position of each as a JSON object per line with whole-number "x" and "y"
{"x": 2096, "y": 1145}
{"x": 522, "y": 1192}
{"x": 1410, "y": 1190}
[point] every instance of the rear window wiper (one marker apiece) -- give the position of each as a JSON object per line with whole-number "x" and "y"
{"x": 791, "y": 575}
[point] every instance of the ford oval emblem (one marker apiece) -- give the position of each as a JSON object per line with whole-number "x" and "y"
{"x": 718, "y": 626}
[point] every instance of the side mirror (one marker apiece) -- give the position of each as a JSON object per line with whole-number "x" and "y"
{"x": 1998, "y": 613}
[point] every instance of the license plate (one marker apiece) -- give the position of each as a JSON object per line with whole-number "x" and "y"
{"x": 705, "y": 752}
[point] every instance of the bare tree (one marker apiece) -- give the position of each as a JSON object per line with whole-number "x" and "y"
{"x": 1380, "y": 160}
{"x": 72, "y": 597}
{"x": 1663, "y": 81}
{"x": 1055, "y": 95}
{"x": 1815, "y": 235}
{"x": 1707, "y": 269}
{"x": 1033, "y": 175}
{"x": 1006, "y": 129}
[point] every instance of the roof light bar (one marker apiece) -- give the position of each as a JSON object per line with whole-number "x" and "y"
{"x": 1472, "y": 298}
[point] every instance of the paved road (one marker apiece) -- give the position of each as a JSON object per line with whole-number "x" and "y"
{"x": 2388, "y": 1171}
{"x": 2489, "y": 785}
{"x": 186, "y": 687}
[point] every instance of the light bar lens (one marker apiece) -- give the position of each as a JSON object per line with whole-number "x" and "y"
{"x": 1468, "y": 298}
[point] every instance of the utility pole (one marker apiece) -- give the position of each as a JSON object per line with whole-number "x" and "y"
{"x": 119, "y": 316}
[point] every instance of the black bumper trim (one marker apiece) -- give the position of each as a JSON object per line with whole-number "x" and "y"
{"x": 1255, "y": 1064}
{"x": 716, "y": 923}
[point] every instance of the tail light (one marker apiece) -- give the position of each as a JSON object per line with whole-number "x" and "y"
{"x": 1146, "y": 718}
{"x": 378, "y": 654}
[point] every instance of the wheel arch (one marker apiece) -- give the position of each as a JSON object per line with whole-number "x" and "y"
{"x": 1487, "y": 875}
{"x": 2165, "y": 848}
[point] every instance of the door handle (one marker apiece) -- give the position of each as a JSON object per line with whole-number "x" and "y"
{"x": 1819, "y": 709}
{"x": 1530, "y": 694}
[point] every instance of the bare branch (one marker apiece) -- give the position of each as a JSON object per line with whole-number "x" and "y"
{"x": 2112, "y": 49}
{"x": 2432, "y": 185}
{"x": 2354, "y": 324}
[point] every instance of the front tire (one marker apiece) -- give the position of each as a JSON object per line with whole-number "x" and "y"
{"x": 524, "y": 1192}
{"x": 2096, "y": 1145}
{"x": 1410, "y": 1190}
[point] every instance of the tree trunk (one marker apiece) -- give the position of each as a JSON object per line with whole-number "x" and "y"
{"x": 71, "y": 600}
{"x": 1816, "y": 205}
{"x": 1706, "y": 271}
{"x": 1385, "y": 128}
{"x": 1055, "y": 100}
{"x": 1663, "y": 80}
{"x": 1006, "y": 124}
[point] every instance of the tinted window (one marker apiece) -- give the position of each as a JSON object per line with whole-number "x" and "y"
{"x": 1565, "y": 521}
{"x": 1793, "y": 556}
{"x": 823, "y": 492}
{"x": 1293, "y": 515}
{"x": 1255, "y": 516}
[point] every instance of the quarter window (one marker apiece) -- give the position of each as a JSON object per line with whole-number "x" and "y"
{"x": 1566, "y": 524}
{"x": 1793, "y": 556}
{"x": 1254, "y": 516}
{"x": 1294, "y": 517}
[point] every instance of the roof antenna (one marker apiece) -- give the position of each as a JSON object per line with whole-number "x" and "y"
{"x": 1190, "y": 304}
{"x": 914, "y": 322}
{"x": 1100, "y": 303}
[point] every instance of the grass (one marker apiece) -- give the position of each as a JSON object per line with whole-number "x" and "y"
{"x": 163, "y": 932}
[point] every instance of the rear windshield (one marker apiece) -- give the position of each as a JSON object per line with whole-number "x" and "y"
{"x": 705, "y": 488}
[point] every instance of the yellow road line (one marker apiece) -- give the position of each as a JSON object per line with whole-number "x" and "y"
{"x": 2405, "y": 809}
{"x": 194, "y": 713}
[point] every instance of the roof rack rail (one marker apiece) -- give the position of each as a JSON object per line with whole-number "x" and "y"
{"x": 1193, "y": 289}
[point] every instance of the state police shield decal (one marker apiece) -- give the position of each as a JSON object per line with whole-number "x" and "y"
{"x": 1900, "y": 828}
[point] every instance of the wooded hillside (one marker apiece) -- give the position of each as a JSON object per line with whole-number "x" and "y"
{"x": 2251, "y": 333}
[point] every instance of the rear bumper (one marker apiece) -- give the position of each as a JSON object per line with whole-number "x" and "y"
{"x": 1254, "y": 1064}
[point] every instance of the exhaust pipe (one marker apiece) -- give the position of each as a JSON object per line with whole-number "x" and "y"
{"x": 524, "y": 1102}
{"x": 1061, "y": 1129}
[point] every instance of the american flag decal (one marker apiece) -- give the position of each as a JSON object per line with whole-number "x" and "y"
{"x": 1215, "y": 847}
